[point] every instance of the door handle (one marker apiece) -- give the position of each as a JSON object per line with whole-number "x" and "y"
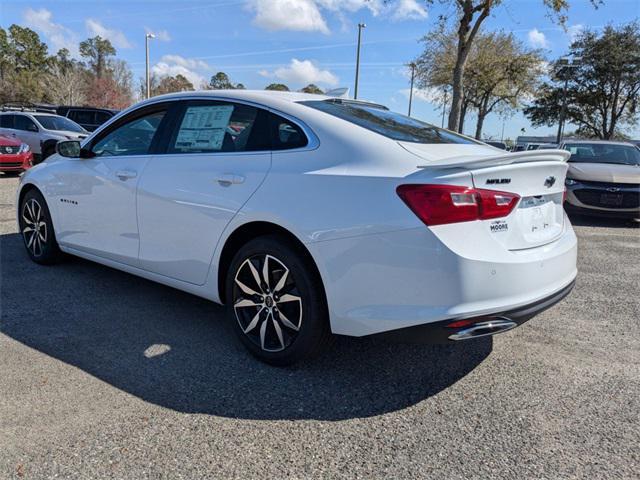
{"x": 230, "y": 179}
{"x": 126, "y": 174}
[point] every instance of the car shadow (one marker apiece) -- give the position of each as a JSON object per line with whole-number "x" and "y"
{"x": 178, "y": 351}
{"x": 580, "y": 220}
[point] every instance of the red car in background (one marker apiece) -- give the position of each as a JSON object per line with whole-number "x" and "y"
{"x": 15, "y": 155}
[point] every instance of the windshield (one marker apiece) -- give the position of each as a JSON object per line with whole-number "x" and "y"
{"x": 603, "y": 153}
{"x": 390, "y": 124}
{"x": 51, "y": 122}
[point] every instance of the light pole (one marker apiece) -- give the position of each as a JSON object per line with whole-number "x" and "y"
{"x": 413, "y": 75}
{"x": 360, "y": 27}
{"x": 565, "y": 65}
{"x": 148, "y": 78}
{"x": 444, "y": 106}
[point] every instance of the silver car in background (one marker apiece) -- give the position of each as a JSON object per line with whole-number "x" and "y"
{"x": 603, "y": 178}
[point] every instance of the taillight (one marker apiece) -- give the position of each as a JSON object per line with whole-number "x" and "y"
{"x": 441, "y": 204}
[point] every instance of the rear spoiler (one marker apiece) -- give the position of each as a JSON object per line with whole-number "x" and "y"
{"x": 502, "y": 159}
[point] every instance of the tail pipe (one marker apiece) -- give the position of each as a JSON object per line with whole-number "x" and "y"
{"x": 485, "y": 328}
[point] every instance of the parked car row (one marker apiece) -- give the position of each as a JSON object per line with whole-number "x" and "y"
{"x": 39, "y": 130}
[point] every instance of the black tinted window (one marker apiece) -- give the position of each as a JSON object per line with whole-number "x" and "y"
{"x": 82, "y": 116}
{"x": 6, "y": 121}
{"x": 390, "y": 124}
{"x": 132, "y": 138}
{"x": 286, "y": 135}
{"x": 102, "y": 117}
{"x": 210, "y": 127}
{"x": 24, "y": 123}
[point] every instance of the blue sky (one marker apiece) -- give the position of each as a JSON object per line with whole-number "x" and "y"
{"x": 296, "y": 42}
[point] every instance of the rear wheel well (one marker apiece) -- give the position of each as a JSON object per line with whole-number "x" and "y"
{"x": 248, "y": 232}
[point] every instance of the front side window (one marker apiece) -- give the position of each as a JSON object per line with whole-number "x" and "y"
{"x": 24, "y": 123}
{"x": 603, "y": 153}
{"x": 55, "y": 122}
{"x": 390, "y": 124}
{"x": 219, "y": 127}
{"x": 132, "y": 138}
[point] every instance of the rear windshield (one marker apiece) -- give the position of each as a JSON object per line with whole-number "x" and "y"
{"x": 392, "y": 125}
{"x": 603, "y": 153}
{"x": 58, "y": 123}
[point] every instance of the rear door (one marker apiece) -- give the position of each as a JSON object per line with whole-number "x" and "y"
{"x": 215, "y": 158}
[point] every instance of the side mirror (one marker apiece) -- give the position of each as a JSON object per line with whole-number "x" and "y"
{"x": 32, "y": 128}
{"x": 68, "y": 148}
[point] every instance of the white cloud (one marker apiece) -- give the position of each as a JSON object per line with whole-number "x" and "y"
{"x": 299, "y": 15}
{"x": 301, "y": 73}
{"x": 430, "y": 95}
{"x": 192, "y": 63}
{"x": 409, "y": 10}
{"x": 574, "y": 31}
{"x": 161, "y": 35}
{"x": 307, "y": 15}
{"x": 537, "y": 39}
{"x": 57, "y": 35}
{"x": 116, "y": 37}
{"x": 191, "y": 68}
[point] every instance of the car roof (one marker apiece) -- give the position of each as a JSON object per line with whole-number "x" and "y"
{"x": 259, "y": 96}
{"x": 598, "y": 142}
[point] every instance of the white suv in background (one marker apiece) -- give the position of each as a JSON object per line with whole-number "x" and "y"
{"x": 41, "y": 131}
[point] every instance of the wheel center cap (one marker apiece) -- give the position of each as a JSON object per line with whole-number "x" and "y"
{"x": 268, "y": 302}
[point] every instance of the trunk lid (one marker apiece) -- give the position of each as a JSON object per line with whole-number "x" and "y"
{"x": 536, "y": 176}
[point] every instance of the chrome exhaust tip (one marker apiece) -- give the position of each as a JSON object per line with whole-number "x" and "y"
{"x": 483, "y": 329}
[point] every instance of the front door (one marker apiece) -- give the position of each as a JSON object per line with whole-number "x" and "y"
{"x": 97, "y": 196}
{"x": 216, "y": 157}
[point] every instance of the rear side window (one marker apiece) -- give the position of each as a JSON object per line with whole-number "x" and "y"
{"x": 6, "y": 121}
{"x": 286, "y": 135}
{"x": 390, "y": 124}
{"x": 220, "y": 127}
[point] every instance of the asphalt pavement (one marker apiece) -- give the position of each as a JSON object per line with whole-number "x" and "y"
{"x": 105, "y": 375}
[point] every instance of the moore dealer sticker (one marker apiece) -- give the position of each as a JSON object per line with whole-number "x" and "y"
{"x": 499, "y": 226}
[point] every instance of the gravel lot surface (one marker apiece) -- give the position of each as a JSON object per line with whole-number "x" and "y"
{"x": 105, "y": 375}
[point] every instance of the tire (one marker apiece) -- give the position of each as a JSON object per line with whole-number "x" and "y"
{"x": 36, "y": 229}
{"x": 284, "y": 320}
{"x": 47, "y": 152}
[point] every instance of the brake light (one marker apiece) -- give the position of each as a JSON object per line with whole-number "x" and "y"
{"x": 442, "y": 204}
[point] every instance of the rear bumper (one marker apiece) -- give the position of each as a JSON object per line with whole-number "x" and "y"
{"x": 382, "y": 283}
{"x": 440, "y": 332}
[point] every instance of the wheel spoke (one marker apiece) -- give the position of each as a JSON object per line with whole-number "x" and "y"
{"x": 27, "y": 208}
{"x": 246, "y": 289}
{"x": 245, "y": 302}
{"x": 256, "y": 275}
{"x": 27, "y": 229}
{"x": 265, "y": 270}
{"x": 278, "y": 332}
{"x": 263, "y": 331}
{"x": 254, "y": 322}
{"x": 31, "y": 239}
{"x": 286, "y": 322}
{"x": 280, "y": 285}
{"x": 289, "y": 298}
{"x": 36, "y": 213}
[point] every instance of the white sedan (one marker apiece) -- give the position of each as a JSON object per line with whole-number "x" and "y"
{"x": 309, "y": 215}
